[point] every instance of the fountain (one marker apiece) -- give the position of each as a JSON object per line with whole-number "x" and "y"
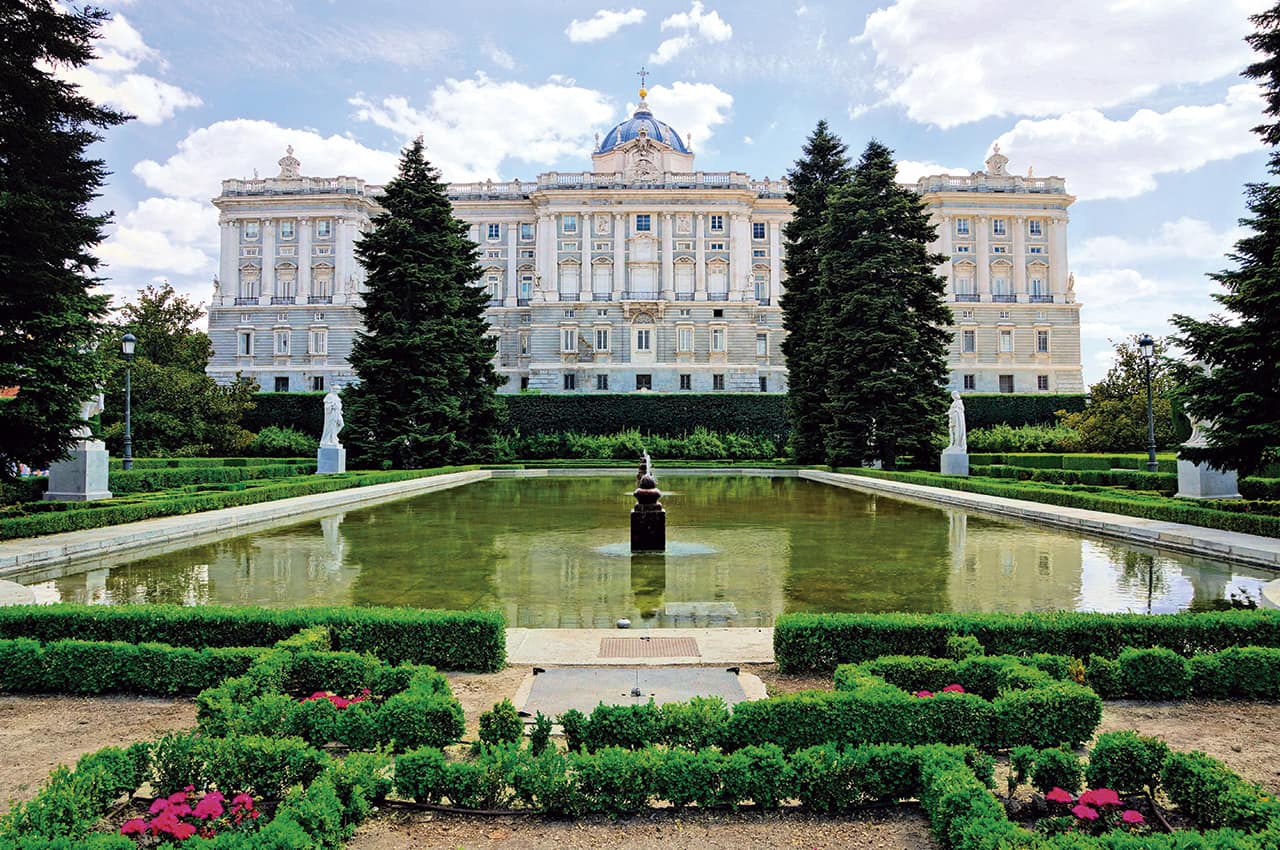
{"x": 648, "y": 517}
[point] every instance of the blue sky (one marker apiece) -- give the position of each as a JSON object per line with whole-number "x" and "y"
{"x": 1139, "y": 105}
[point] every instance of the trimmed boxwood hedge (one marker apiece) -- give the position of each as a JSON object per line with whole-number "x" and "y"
{"x": 148, "y": 480}
{"x": 1092, "y": 462}
{"x": 669, "y": 414}
{"x": 301, "y": 411}
{"x": 982, "y": 410}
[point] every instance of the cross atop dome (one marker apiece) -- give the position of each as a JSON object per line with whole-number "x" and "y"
{"x": 642, "y": 73}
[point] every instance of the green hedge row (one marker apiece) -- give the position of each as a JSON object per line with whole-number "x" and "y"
{"x": 148, "y": 480}
{"x": 447, "y": 640}
{"x": 207, "y": 462}
{"x": 1164, "y": 482}
{"x": 95, "y": 667}
{"x": 100, "y": 514}
{"x": 1225, "y": 515}
{"x": 300, "y": 411}
{"x": 823, "y": 641}
{"x": 1243, "y": 672}
{"x": 666, "y": 414}
{"x": 1092, "y": 462}
{"x": 982, "y": 410}
{"x": 701, "y": 444}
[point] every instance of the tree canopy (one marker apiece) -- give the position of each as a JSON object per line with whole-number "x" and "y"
{"x": 1115, "y": 419}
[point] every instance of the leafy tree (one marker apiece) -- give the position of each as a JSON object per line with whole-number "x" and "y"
{"x": 824, "y": 165}
{"x": 1240, "y": 391}
{"x": 50, "y": 315}
{"x": 1115, "y": 419}
{"x": 177, "y": 408}
{"x": 885, "y": 339}
{"x": 426, "y": 394}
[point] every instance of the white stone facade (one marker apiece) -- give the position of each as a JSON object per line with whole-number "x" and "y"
{"x": 642, "y": 274}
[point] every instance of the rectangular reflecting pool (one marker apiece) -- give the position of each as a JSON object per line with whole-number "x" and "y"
{"x": 552, "y": 552}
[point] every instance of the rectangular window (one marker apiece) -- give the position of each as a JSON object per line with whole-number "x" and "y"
{"x": 759, "y": 252}
{"x": 495, "y": 232}
{"x": 997, "y": 227}
{"x": 526, "y": 231}
{"x": 317, "y": 384}
{"x": 644, "y": 382}
{"x": 968, "y": 342}
{"x": 762, "y": 345}
{"x": 570, "y": 381}
{"x": 962, "y": 227}
{"x": 684, "y": 339}
{"x": 286, "y": 230}
{"x": 493, "y": 255}
{"x": 1034, "y": 227}
{"x": 764, "y": 384}
{"x": 324, "y": 229}
{"x": 644, "y": 340}
{"x": 1006, "y": 383}
{"x": 1042, "y": 382}
{"x": 1035, "y": 249}
{"x": 244, "y": 346}
{"x": 686, "y": 382}
{"x": 602, "y": 339}
{"x": 526, "y": 254}
{"x": 716, "y": 246}
{"x": 643, "y": 223}
{"x": 717, "y": 224}
{"x": 319, "y": 342}
{"x": 569, "y": 339}
{"x": 970, "y": 382}
{"x": 999, "y": 249}
{"x": 717, "y": 339}
{"x": 524, "y": 345}
{"x": 1006, "y": 342}
{"x": 524, "y": 382}
{"x": 962, "y": 249}
{"x": 602, "y": 382}
{"x": 282, "y": 342}
{"x": 757, "y": 230}
{"x": 602, "y": 312}
{"x": 282, "y": 384}
{"x": 569, "y": 221}
{"x": 717, "y": 382}
{"x": 251, "y": 230}
{"x": 1042, "y": 342}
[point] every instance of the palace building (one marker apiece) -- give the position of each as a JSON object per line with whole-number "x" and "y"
{"x": 640, "y": 274}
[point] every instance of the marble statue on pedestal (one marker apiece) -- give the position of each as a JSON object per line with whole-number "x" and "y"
{"x": 955, "y": 457}
{"x": 1200, "y": 480}
{"x": 82, "y": 477}
{"x": 331, "y": 457}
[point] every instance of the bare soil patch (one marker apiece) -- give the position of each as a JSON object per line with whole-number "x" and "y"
{"x": 478, "y": 692}
{"x": 38, "y": 733}
{"x": 902, "y": 828}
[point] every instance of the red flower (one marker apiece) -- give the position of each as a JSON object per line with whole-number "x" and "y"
{"x": 178, "y": 797}
{"x": 923, "y": 694}
{"x": 160, "y": 804}
{"x": 953, "y": 689}
{"x": 1100, "y": 797}
{"x": 1084, "y": 812}
{"x": 133, "y": 827}
{"x": 209, "y": 807}
{"x": 1057, "y": 795}
{"x": 1130, "y": 816}
{"x": 182, "y": 831}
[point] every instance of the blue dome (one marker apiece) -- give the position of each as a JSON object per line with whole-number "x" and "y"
{"x": 630, "y": 129}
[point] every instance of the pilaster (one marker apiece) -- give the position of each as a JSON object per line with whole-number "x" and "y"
{"x": 700, "y": 257}
{"x": 619, "y": 256}
{"x": 341, "y": 263}
{"x": 1019, "y": 225}
{"x": 304, "y": 260}
{"x": 228, "y": 260}
{"x": 584, "y": 267}
{"x": 511, "y": 280}
{"x": 668, "y": 261}
{"x": 268, "y": 257}
{"x": 983, "y": 223}
{"x": 775, "y": 263}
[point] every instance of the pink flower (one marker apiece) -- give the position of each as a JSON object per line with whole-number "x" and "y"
{"x": 1084, "y": 812}
{"x": 923, "y": 694}
{"x": 1057, "y": 795}
{"x": 1130, "y": 816}
{"x": 178, "y": 797}
{"x": 182, "y": 831}
{"x": 133, "y": 827}
{"x": 1100, "y": 797}
{"x": 209, "y": 807}
{"x": 242, "y": 800}
{"x": 160, "y": 804}
{"x": 953, "y": 689}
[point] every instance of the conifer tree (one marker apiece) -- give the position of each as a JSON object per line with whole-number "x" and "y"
{"x": 426, "y": 395}
{"x": 50, "y": 316}
{"x": 1239, "y": 389}
{"x": 824, "y": 165}
{"x": 886, "y": 337}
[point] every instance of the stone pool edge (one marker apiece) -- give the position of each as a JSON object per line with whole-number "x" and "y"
{"x": 1237, "y": 547}
{"x": 24, "y": 555}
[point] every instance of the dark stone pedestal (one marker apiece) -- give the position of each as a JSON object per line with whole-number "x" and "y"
{"x": 648, "y": 528}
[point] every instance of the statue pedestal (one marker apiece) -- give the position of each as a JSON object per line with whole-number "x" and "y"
{"x": 1200, "y": 481}
{"x": 955, "y": 462}
{"x": 82, "y": 477}
{"x": 331, "y": 460}
{"x": 648, "y": 528}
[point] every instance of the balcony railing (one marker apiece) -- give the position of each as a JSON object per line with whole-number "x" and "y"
{"x": 245, "y": 300}
{"x": 763, "y": 302}
{"x": 319, "y": 299}
{"x": 283, "y": 299}
{"x": 602, "y": 296}
{"x": 967, "y": 296}
{"x": 641, "y": 295}
{"x": 1041, "y": 299}
{"x": 718, "y": 296}
{"x": 684, "y": 296}
{"x": 522, "y": 302}
{"x": 1004, "y": 297}
{"x": 494, "y": 302}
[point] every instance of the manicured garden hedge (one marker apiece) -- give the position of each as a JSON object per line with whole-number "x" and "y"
{"x": 1240, "y": 672}
{"x": 1164, "y": 482}
{"x": 102, "y": 667}
{"x": 1093, "y": 462}
{"x": 206, "y": 462}
{"x": 982, "y": 410}
{"x": 448, "y": 640}
{"x": 123, "y": 482}
{"x": 668, "y": 414}
{"x": 823, "y": 641}
{"x": 301, "y": 411}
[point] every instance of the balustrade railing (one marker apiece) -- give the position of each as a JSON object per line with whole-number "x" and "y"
{"x": 319, "y": 299}
{"x": 1041, "y": 299}
{"x": 967, "y": 296}
{"x": 1004, "y": 297}
{"x": 246, "y": 300}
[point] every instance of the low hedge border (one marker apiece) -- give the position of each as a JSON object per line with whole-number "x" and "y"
{"x": 1246, "y": 672}
{"x": 472, "y": 641}
{"x": 148, "y": 480}
{"x": 1168, "y": 510}
{"x": 96, "y": 667}
{"x": 823, "y": 641}
{"x": 1077, "y": 461}
{"x": 207, "y": 462}
{"x": 108, "y": 514}
{"x": 1130, "y": 479}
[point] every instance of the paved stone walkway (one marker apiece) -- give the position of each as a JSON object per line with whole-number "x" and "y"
{"x": 563, "y": 647}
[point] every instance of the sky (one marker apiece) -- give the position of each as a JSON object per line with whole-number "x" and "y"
{"x": 1138, "y": 104}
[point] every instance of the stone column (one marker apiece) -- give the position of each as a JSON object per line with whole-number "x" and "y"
{"x": 1057, "y": 256}
{"x": 268, "y": 258}
{"x": 668, "y": 261}
{"x": 619, "y": 256}
{"x": 584, "y": 271}
{"x": 775, "y": 264}
{"x": 304, "y": 261}
{"x": 544, "y": 258}
{"x": 945, "y": 228}
{"x": 700, "y": 258}
{"x": 341, "y": 265}
{"x": 511, "y": 282}
{"x": 229, "y": 259}
{"x": 983, "y": 259}
{"x": 1019, "y": 225}
{"x": 739, "y": 257}
{"x": 351, "y": 229}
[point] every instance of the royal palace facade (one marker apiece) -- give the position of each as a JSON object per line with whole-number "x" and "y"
{"x": 641, "y": 274}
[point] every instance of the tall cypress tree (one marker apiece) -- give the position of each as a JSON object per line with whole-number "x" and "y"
{"x": 1240, "y": 391}
{"x": 50, "y": 317}
{"x": 426, "y": 395}
{"x": 886, "y": 337}
{"x": 824, "y": 165}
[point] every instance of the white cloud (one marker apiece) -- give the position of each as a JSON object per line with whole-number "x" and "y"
{"x": 693, "y": 110}
{"x": 1105, "y": 158}
{"x": 472, "y": 126}
{"x": 695, "y": 27}
{"x": 498, "y": 56}
{"x": 747, "y": 140}
{"x": 999, "y": 59}
{"x": 1183, "y": 239}
{"x": 602, "y": 24}
{"x": 910, "y": 170}
{"x": 111, "y": 79}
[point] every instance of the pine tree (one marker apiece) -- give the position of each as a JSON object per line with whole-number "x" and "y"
{"x": 1239, "y": 391}
{"x": 825, "y": 164}
{"x": 50, "y": 317}
{"x": 426, "y": 395}
{"x": 886, "y": 337}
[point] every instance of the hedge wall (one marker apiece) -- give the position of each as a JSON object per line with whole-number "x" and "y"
{"x": 985, "y": 409}
{"x": 301, "y": 411}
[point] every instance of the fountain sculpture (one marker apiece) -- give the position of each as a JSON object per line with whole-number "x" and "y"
{"x": 648, "y": 517}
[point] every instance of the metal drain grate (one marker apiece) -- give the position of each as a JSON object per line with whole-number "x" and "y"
{"x": 655, "y": 647}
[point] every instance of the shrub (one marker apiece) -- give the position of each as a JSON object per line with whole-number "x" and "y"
{"x": 540, "y": 736}
{"x": 1056, "y": 768}
{"x": 1002, "y": 437}
{"x": 1212, "y": 796}
{"x": 614, "y": 780}
{"x": 757, "y": 414}
{"x": 420, "y": 775}
{"x": 1103, "y": 675}
{"x": 410, "y": 721}
{"x": 283, "y": 442}
{"x": 1126, "y": 762}
{"x": 501, "y": 725}
{"x": 1156, "y": 673}
{"x": 695, "y": 724}
{"x": 759, "y": 774}
{"x": 964, "y": 646}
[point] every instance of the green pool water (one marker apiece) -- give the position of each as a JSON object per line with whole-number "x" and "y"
{"x": 551, "y": 552}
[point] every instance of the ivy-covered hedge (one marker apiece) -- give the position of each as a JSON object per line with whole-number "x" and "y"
{"x": 823, "y": 641}
{"x": 447, "y": 640}
{"x": 982, "y": 410}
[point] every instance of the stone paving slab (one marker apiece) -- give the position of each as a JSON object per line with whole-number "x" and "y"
{"x": 12, "y": 593}
{"x": 555, "y": 691}
{"x": 1234, "y": 546}
{"x": 30, "y": 554}
{"x": 582, "y": 646}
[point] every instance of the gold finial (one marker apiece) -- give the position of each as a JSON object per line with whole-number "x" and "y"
{"x": 642, "y": 73}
